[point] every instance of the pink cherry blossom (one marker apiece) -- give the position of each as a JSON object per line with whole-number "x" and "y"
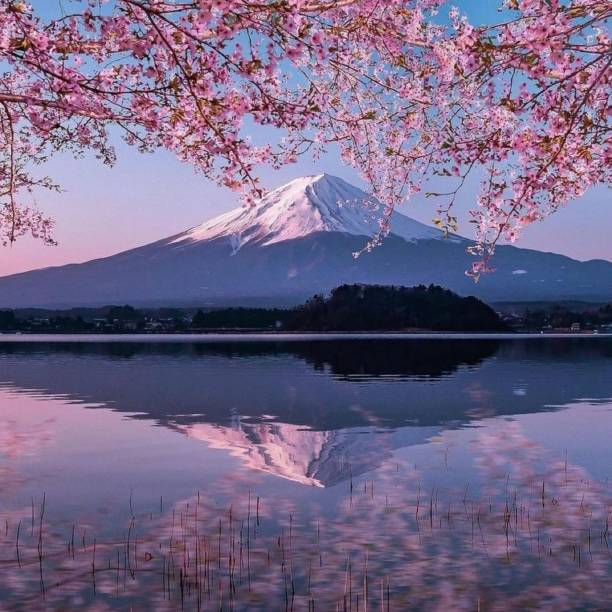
{"x": 525, "y": 102}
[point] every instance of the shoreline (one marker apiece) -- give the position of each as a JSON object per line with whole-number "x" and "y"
{"x": 8, "y": 338}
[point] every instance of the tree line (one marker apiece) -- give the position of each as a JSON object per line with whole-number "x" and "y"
{"x": 364, "y": 308}
{"x": 347, "y": 308}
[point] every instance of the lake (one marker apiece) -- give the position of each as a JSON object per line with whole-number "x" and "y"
{"x": 305, "y": 472}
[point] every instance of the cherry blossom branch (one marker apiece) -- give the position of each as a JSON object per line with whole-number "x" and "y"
{"x": 525, "y": 100}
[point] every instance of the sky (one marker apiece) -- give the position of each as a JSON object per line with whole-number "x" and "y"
{"x": 145, "y": 197}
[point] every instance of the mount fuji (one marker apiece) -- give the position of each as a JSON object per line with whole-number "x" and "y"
{"x": 302, "y": 207}
{"x": 299, "y": 240}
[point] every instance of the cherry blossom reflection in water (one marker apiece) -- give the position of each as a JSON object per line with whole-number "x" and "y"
{"x": 348, "y": 489}
{"x": 530, "y": 531}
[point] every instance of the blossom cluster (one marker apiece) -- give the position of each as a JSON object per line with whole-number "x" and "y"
{"x": 404, "y": 94}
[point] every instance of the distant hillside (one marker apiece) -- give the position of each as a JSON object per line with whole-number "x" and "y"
{"x": 297, "y": 241}
{"x": 380, "y": 308}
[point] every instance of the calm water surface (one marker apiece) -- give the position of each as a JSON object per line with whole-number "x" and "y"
{"x": 329, "y": 473}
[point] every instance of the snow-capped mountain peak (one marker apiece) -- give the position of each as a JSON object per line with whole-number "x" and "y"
{"x": 306, "y": 205}
{"x": 313, "y": 225}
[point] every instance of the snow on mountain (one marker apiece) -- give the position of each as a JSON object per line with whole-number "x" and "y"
{"x": 306, "y": 205}
{"x": 303, "y": 455}
{"x": 296, "y": 242}
{"x": 288, "y": 451}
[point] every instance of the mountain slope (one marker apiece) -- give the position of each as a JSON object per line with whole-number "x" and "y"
{"x": 302, "y": 207}
{"x": 297, "y": 241}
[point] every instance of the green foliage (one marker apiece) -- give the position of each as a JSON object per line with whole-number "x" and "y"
{"x": 199, "y": 320}
{"x": 239, "y": 318}
{"x": 562, "y": 317}
{"x": 380, "y": 308}
{"x": 7, "y": 320}
{"x": 123, "y": 313}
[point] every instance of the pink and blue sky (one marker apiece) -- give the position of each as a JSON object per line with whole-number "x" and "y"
{"x": 147, "y": 197}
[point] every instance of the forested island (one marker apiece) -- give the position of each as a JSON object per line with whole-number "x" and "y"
{"x": 347, "y": 308}
{"x": 381, "y": 308}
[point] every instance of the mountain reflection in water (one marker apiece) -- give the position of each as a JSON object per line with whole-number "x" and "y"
{"x": 396, "y": 474}
{"x": 314, "y": 412}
